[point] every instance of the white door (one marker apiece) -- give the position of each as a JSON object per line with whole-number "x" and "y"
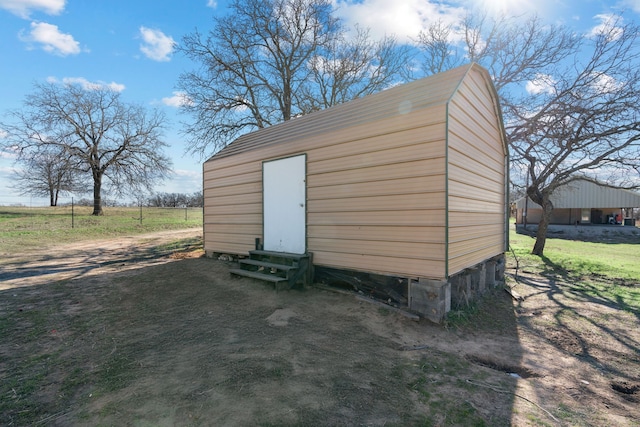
{"x": 284, "y": 204}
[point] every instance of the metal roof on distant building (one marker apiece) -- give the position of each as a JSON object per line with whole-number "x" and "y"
{"x": 583, "y": 194}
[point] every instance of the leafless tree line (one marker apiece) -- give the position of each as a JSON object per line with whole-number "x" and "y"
{"x": 569, "y": 100}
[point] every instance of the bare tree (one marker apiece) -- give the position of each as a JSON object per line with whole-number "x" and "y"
{"x": 440, "y": 52}
{"x": 99, "y": 133}
{"x": 583, "y": 122}
{"x": 352, "y": 67}
{"x": 569, "y": 101}
{"x": 271, "y": 60}
{"x": 48, "y": 174}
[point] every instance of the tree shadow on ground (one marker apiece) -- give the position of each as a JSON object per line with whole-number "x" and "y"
{"x": 589, "y": 318}
{"x": 16, "y": 271}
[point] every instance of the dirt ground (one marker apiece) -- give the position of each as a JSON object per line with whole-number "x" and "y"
{"x": 145, "y": 331}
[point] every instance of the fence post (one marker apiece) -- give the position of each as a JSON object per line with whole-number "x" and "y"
{"x": 140, "y": 213}
{"x": 72, "y": 216}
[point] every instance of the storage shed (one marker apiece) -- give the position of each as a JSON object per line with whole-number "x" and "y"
{"x": 409, "y": 183}
{"x": 583, "y": 202}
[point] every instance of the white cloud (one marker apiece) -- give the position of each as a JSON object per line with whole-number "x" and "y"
{"x": 633, "y": 4}
{"x": 212, "y": 4}
{"x": 9, "y": 153}
{"x": 543, "y": 83}
{"x": 604, "y": 83}
{"x": 188, "y": 174}
{"x": 156, "y": 45}
{"x": 182, "y": 181}
{"x": 607, "y": 27}
{"x": 51, "y": 40}
{"x": 23, "y": 8}
{"x": 177, "y": 100}
{"x": 404, "y": 19}
{"x": 513, "y": 8}
{"x": 88, "y": 85}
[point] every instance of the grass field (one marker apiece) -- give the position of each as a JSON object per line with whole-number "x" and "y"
{"x": 617, "y": 261}
{"x": 611, "y": 270}
{"x": 24, "y": 228}
{"x": 182, "y": 344}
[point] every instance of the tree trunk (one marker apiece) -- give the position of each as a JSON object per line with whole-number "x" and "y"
{"x": 52, "y": 199}
{"x": 97, "y": 198}
{"x": 543, "y": 225}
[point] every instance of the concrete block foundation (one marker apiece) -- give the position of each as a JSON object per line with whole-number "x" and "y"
{"x": 430, "y": 298}
{"x": 471, "y": 283}
{"x": 433, "y": 299}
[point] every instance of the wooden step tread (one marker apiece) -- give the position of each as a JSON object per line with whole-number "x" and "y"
{"x": 257, "y": 275}
{"x": 266, "y": 264}
{"x": 279, "y": 254}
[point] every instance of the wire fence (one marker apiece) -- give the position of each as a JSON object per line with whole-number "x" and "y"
{"x": 39, "y": 217}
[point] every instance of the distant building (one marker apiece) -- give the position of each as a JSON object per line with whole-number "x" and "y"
{"x": 583, "y": 202}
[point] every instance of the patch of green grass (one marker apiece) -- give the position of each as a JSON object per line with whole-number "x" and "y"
{"x": 445, "y": 411}
{"x": 179, "y": 245}
{"x": 537, "y": 421}
{"x": 116, "y": 373}
{"x": 607, "y": 272}
{"x": 453, "y": 407}
{"x": 575, "y": 417}
{"x": 24, "y": 228}
{"x": 73, "y": 379}
{"x": 19, "y": 401}
{"x": 613, "y": 261}
{"x": 462, "y": 317}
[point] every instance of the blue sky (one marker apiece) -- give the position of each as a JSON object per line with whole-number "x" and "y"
{"x": 130, "y": 45}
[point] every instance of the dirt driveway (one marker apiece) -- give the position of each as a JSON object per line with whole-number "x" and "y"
{"x": 144, "y": 331}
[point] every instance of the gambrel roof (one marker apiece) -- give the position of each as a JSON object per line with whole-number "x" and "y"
{"x": 427, "y": 92}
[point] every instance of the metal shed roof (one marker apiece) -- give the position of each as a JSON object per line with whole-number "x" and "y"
{"x": 583, "y": 194}
{"x": 402, "y": 99}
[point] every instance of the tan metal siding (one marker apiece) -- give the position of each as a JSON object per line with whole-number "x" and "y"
{"x": 460, "y": 234}
{"x": 425, "y": 201}
{"x": 328, "y": 157}
{"x": 435, "y": 166}
{"x": 370, "y": 233}
{"x": 390, "y": 155}
{"x": 237, "y": 189}
{"x": 389, "y": 180}
{"x": 476, "y": 177}
{"x": 233, "y": 207}
{"x": 226, "y": 181}
{"x": 409, "y": 267}
{"x": 417, "y": 185}
{"x": 471, "y": 144}
{"x": 410, "y": 218}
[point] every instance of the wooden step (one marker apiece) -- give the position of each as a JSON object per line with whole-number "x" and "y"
{"x": 272, "y": 266}
{"x": 266, "y": 264}
{"x": 283, "y": 255}
{"x": 278, "y": 254}
{"x": 257, "y": 275}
